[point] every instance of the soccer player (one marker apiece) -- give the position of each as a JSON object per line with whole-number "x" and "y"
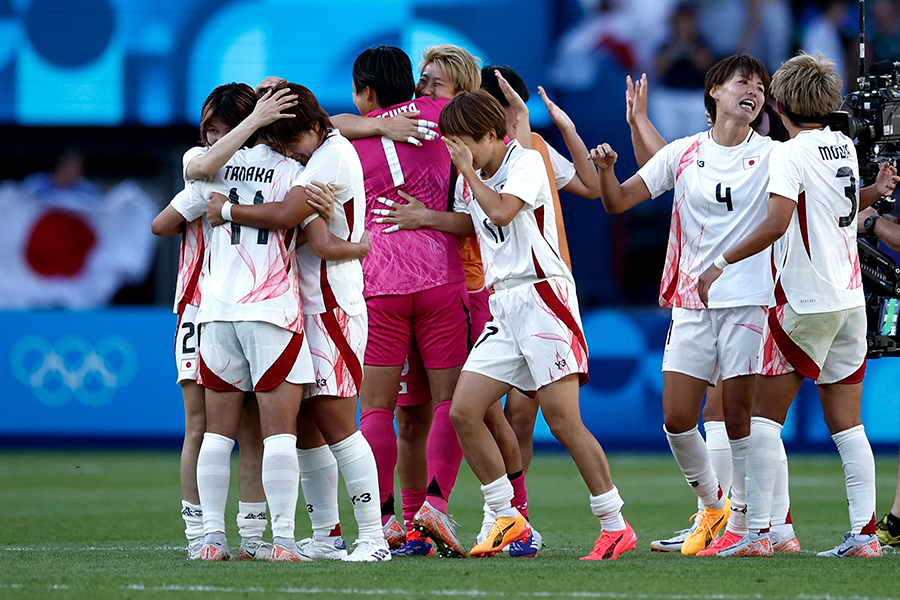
{"x": 334, "y": 311}
{"x": 646, "y": 142}
{"x": 719, "y": 178}
{"x": 230, "y": 117}
{"x": 816, "y": 328}
{"x": 535, "y": 340}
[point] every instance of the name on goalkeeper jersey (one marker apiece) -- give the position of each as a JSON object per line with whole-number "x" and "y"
{"x": 239, "y": 173}
{"x": 834, "y": 152}
{"x": 400, "y": 109}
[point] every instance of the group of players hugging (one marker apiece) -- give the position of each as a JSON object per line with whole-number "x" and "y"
{"x": 412, "y": 258}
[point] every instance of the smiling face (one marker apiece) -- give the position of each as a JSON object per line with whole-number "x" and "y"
{"x": 435, "y": 84}
{"x": 302, "y": 149}
{"x": 741, "y": 97}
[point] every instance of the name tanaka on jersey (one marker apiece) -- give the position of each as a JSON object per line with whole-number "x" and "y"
{"x": 240, "y": 173}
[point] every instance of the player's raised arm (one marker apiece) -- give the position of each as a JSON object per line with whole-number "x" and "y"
{"x": 500, "y": 208}
{"x": 645, "y": 139}
{"x": 617, "y": 197}
{"x": 586, "y": 182}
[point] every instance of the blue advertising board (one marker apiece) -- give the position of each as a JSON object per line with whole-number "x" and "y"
{"x": 89, "y": 376}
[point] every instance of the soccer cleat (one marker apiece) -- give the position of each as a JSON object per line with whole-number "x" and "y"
{"x": 488, "y": 520}
{"x": 279, "y": 553}
{"x": 332, "y": 548}
{"x": 673, "y": 544}
{"x": 709, "y": 523}
{"x": 254, "y": 548}
{"x": 726, "y": 541}
{"x": 369, "y": 551}
{"x": 752, "y": 544}
{"x": 441, "y": 529}
{"x": 782, "y": 545}
{"x": 214, "y": 552}
{"x": 612, "y": 544}
{"x": 194, "y": 547}
{"x": 856, "y": 546}
{"x": 530, "y": 546}
{"x": 416, "y": 545}
{"x": 884, "y": 533}
{"x": 504, "y": 531}
{"x": 394, "y": 533}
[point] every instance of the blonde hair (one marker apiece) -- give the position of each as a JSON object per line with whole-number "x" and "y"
{"x": 807, "y": 87}
{"x": 458, "y": 65}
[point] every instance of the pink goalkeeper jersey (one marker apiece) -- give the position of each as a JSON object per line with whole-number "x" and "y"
{"x": 405, "y": 262}
{"x": 251, "y": 274}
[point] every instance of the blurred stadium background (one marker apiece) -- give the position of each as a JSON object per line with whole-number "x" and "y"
{"x": 122, "y": 83}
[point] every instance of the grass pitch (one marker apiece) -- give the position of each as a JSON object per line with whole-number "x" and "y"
{"x": 107, "y": 525}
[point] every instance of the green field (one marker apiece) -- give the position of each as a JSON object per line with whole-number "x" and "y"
{"x": 107, "y": 525}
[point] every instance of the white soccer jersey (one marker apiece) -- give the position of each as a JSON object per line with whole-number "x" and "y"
{"x": 194, "y": 239}
{"x": 817, "y": 261}
{"x": 527, "y": 249}
{"x": 720, "y": 196}
{"x": 325, "y": 284}
{"x": 563, "y": 168}
{"x": 251, "y": 274}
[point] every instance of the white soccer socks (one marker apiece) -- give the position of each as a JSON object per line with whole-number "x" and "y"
{"x": 859, "y": 475}
{"x": 319, "y": 480}
{"x": 251, "y": 519}
{"x": 608, "y": 508}
{"x": 737, "y": 520}
{"x": 498, "y": 495}
{"x": 213, "y": 477}
{"x": 719, "y": 453}
{"x": 691, "y": 454}
{"x": 193, "y": 520}
{"x": 357, "y": 464}
{"x": 281, "y": 482}
{"x": 763, "y": 465}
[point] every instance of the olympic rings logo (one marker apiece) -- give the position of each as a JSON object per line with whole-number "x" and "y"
{"x": 73, "y": 367}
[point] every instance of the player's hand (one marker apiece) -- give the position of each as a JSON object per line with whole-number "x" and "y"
{"x": 408, "y": 127}
{"x": 887, "y": 179}
{"x": 514, "y": 99}
{"x": 559, "y": 116}
{"x": 411, "y": 215}
{"x": 705, "y": 281}
{"x": 603, "y": 156}
{"x": 321, "y": 198}
{"x": 459, "y": 154}
{"x": 635, "y": 98}
{"x": 861, "y": 219}
{"x": 268, "y": 83}
{"x": 214, "y": 209}
{"x": 270, "y": 106}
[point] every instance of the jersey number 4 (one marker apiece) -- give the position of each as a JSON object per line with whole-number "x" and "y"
{"x": 262, "y": 235}
{"x": 850, "y": 194}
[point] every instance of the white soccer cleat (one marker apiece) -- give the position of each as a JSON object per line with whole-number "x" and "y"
{"x": 333, "y": 548}
{"x": 369, "y": 551}
{"x": 254, "y": 548}
{"x": 673, "y": 544}
{"x": 488, "y": 520}
{"x": 856, "y": 546}
{"x": 194, "y": 547}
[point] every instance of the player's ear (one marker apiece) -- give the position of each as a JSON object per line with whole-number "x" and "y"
{"x": 370, "y": 94}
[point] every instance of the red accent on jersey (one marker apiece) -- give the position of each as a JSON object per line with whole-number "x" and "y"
{"x": 687, "y": 158}
{"x": 190, "y": 290}
{"x": 780, "y": 298}
{"x": 801, "y": 215}
{"x": 538, "y": 271}
{"x": 327, "y": 293}
{"x": 346, "y": 352}
{"x": 276, "y": 374}
{"x": 539, "y": 217}
{"x": 213, "y": 381}
{"x": 348, "y": 210}
{"x": 798, "y": 359}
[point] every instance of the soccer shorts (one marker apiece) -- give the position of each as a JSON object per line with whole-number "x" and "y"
{"x": 534, "y": 338}
{"x": 252, "y": 356}
{"x": 705, "y": 343}
{"x": 438, "y": 317}
{"x": 187, "y": 344}
{"x": 826, "y": 347}
{"x": 337, "y": 343}
{"x": 479, "y": 308}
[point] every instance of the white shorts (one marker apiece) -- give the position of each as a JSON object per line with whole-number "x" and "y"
{"x": 187, "y": 344}
{"x": 337, "y": 343}
{"x": 252, "y": 356}
{"x": 825, "y": 347}
{"x": 534, "y": 338}
{"x": 706, "y": 343}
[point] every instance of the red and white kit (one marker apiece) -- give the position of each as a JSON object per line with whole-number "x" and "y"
{"x": 334, "y": 311}
{"x": 250, "y": 275}
{"x": 817, "y": 324}
{"x": 720, "y": 196}
{"x": 535, "y": 337}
